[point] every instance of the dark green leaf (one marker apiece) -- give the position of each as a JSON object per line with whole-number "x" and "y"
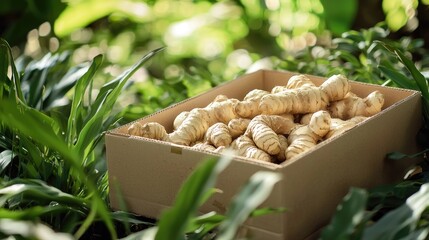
{"x": 348, "y": 216}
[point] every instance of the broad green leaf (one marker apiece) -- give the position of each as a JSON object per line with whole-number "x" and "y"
{"x": 40, "y": 191}
{"x": 5, "y": 159}
{"x": 398, "y": 77}
{"x": 174, "y": 222}
{"x": 255, "y": 191}
{"x": 402, "y": 220}
{"x": 348, "y": 216}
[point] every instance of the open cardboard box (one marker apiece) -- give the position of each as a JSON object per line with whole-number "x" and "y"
{"x": 149, "y": 172}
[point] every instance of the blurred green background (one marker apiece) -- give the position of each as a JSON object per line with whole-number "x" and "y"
{"x": 208, "y": 42}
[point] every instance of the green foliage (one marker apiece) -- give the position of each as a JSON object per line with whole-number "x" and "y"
{"x": 40, "y": 146}
{"x": 408, "y": 221}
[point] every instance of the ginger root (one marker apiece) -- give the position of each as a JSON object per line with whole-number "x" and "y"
{"x": 355, "y": 106}
{"x": 339, "y": 126}
{"x": 218, "y": 135}
{"x": 263, "y": 129}
{"x": 305, "y": 99}
{"x": 151, "y": 130}
{"x": 304, "y": 137}
{"x": 179, "y": 119}
{"x": 199, "y": 120}
{"x": 246, "y": 148}
{"x": 296, "y": 81}
{"x": 238, "y": 126}
{"x": 249, "y": 107}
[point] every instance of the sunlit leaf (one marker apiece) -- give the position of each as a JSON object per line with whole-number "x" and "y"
{"x": 255, "y": 191}
{"x": 174, "y": 222}
{"x": 5, "y": 159}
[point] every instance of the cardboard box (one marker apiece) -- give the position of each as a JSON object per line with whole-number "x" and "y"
{"x": 150, "y": 172}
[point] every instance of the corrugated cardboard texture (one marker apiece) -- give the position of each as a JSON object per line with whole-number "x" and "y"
{"x": 149, "y": 173}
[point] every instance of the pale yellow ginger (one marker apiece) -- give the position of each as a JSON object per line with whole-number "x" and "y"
{"x": 245, "y": 147}
{"x": 183, "y": 115}
{"x": 238, "y": 126}
{"x": 263, "y": 130}
{"x": 355, "y": 106}
{"x": 151, "y": 130}
{"x": 218, "y": 135}
{"x": 179, "y": 119}
{"x": 296, "y": 81}
{"x": 204, "y": 146}
{"x": 304, "y": 137}
{"x": 339, "y": 126}
{"x": 281, "y": 156}
{"x": 199, "y": 120}
{"x": 306, "y": 99}
{"x": 249, "y": 107}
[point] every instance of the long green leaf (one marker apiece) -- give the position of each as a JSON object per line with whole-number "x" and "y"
{"x": 397, "y": 77}
{"x": 348, "y": 216}
{"x": 79, "y": 92}
{"x": 38, "y": 190}
{"x": 5, "y": 159}
{"x": 34, "y": 213}
{"x": 248, "y": 199}
{"x": 174, "y": 222}
{"x": 402, "y": 220}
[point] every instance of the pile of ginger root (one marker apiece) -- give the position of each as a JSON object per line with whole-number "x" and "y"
{"x": 270, "y": 126}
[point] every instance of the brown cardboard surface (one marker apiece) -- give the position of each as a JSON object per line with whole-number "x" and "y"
{"x": 149, "y": 173}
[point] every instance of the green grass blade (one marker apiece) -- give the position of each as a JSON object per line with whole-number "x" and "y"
{"x": 15, "y": 76}
{"x": 5, "y": 159}
{"x": 398, "y": 77}
{"x": 248, "y": 199}
{"x": 77, "y": 102}
{"x": 348, "y": 216}
{"x": 174, "y": 222}
{"x": 402, "y": 220}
